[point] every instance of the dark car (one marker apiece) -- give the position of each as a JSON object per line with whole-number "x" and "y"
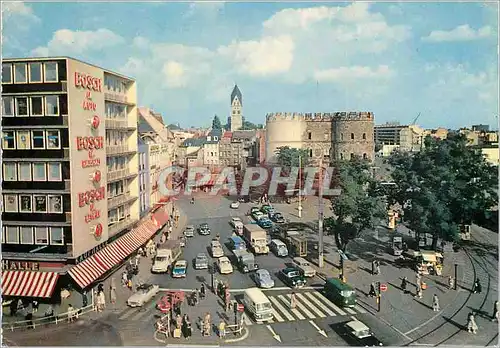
{"x": 358, "y": 334}
{"x": 204, "y": 229}
{"x": 278, "y": 218}
{"x": 264, "y": 222}
{"x": 292, "y": 277}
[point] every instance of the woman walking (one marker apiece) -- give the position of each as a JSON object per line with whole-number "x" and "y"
{"x": 112, "y": 294}
{"x": 293, "y": 301}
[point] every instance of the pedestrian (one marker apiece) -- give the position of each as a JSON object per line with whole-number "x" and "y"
{"x": 124, "y": 278}
{"x": 202, "y": 291}
{"x": 137, "y": 259}
{"x": 222, "y": 329}
{"x": 129, "y": 284}
{"x": 100, "y": 287}
{"x": 189, "y": 329}
{"x": 206, "y": 325}
{"x": 451, "y": 282}
{"x": 419, "y": 292}
{"x": 293, "y": 301}
{"x": 49, "y": 312}
{"x": 418, "y": 279}
{"x": 163, "y": 238}
{"x": 71, "y": 313}
{"x": 495, "y": 312}
{"x": 195, "y": 297}
{"x": 471, "y": 323}
{"x": 184, "y": 327}
{"x": 477, "y": 288}
{"x": 178, "y": 321}
{"x": 102, "y": 301}
{"x": 377, "y": 267}
{"x": 404, "y": 283}
{"x": 112, "y": 294}
{"x": 372, "y": 292}
{"x": 435, "y": 303}
{"x": 35, "y": 306}
{"x": 227, "y": 299}
{"x": 13, "y": 308}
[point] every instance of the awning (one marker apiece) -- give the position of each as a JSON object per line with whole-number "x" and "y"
{"x": 160, "y": 217}
{"x": 28, "y": 283}
{"x": 86, "y": 272}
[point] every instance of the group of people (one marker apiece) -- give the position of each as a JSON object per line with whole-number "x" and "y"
{"x": 196, "y": 295}
{"x": 183, "y": 326}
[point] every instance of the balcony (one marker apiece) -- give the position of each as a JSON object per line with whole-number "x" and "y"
{"x": 117, "y": 149}
{"x": 120, "y": 174}
{"x": 120, "y": 200}
{"x": 116, "y": 97}
{"x": 116, "y": 123}
{"x": 120, "y": 226}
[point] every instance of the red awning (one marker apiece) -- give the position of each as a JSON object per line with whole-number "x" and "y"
{"x": 160, "y": 217}
{"x": 28, "y": 283}
{"x": 95, "y": 266}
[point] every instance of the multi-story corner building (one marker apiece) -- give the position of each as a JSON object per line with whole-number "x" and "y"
{"x": 327, "y": 136}
{"x": 211, "y": 148}
{"x": 230, "y": 151}
{"x": 144, "y": 178}
{"x": 235, "y": 120}
{"x": 248, "y": 143}
{"x": 70, "y": 209}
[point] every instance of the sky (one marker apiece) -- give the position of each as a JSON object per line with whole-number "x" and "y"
{"x": 396, "y": 59}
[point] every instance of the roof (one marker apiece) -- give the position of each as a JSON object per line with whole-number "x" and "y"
{"x": 356, "y": 325}
{"x": 256, "y": 295}
{"x": 244, "y": 134}
{"x": 215, "y": 133}
{"x": 338, "y": 283}
{"x": 236, "y": 93}
{"x": 194, "y": 142}
{"x": 148, "y": 120}
{"x": 228, "y": 135}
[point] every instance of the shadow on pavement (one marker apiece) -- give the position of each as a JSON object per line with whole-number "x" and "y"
{"x": 424, "y": 304}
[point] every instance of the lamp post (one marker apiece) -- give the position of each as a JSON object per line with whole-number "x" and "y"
{"x": 300, "y": 186}
{"x": 212, "y": 273}
{"x": 320, "y": 218}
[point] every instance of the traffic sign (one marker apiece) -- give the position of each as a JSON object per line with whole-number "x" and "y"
{"x": 241, "y": 308}
{"x": 383, "y": 287}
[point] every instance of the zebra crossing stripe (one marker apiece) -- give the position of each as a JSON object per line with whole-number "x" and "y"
{"x": 281, "y": 308}
{"x": 277, "y": 316}
{"x": 294, "y": 310}
{"x": 127, "y": 314}
{"x": 360, "y": 309}
{"x": 311, "y": 306}
{"x": 318, "y": 302}
{"x": 349, "y": 310}
{"x": 329, "y": 303}
{"x": 302, "y": 308}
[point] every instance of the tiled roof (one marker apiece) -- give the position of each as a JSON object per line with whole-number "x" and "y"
{"x": 228, "y": 135}
{"x": 215, "y": 133}
{"x": 236, "y": 93}
{"x": 194, "y": 142}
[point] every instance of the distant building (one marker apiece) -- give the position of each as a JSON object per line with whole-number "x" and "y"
{"x": 230, "y": 151}
{"x": 211, "y": 148}
{"x": 405, "y": 137}
{"x": 481, "y": 127}
{"x": 236, "y": 117}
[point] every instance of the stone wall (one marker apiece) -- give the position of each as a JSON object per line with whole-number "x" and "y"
{"x": 353, "y": 137}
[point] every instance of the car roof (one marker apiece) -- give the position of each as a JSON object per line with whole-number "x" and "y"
{"x": 201, "y": 255}
{"x": 300, "y": 259}
{"x": 290, "y": 269}
{"x": 181, "y": 263}
{"x": 224, "y": 258}
{"x": 189, "y": 227}
{"x": 356, "y": 325}
{"x": 262, "y": 271}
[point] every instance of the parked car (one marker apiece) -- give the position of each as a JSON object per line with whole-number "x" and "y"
{"x": 224, "y": 265}
{"x": 264, "y": 222}
{"x": 254, "y": 209}
{"x": 304, "y": 266}
{"x": 263, "y": 279}
{"x": 266, "y": 208}
{"x": 144, "y": 294}
{"x": 182, "y": 240}
{"x": 180, "y": 269}
{"x": 216, "y": 248}
{"x": 256, "y": 215}
{"x": 358, "y": 334}
{"x": 201, "y": 261}
{"x": 278, "y": 218}
{"x": 204, "y": 230}
{"x": 189, "y": 231}
{"x": 234, "y": 221}
{"x": 292, "y": 277}
{"x": 235, "y": 205}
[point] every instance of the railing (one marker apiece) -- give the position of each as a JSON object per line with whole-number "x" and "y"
{"x": 119, "y": 200}
{"x": 113, "y": 123}
{"x": 113, "y": 150}
{"x": 53, "y": 319}
{"x": 115, "y": 174}
{"x": 119, "y": 226}
{"x": 114, "y": 96}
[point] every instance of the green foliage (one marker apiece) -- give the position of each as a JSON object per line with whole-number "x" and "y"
{"x": 289, "y": 157}
{"x": 444, "y": 185}
{"x": 251, "y": 126}
{"x": 216, "y": 124}
{"x": 360, "y": 205}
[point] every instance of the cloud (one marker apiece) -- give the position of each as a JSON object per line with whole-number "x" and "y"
{"x": 460, "y": 33}
{"x": 17, "y": 19}
{"x": 208, "y": 10}
{"x": 65, "y": 41}
{"x": 174, "y": 73}
{"x": 18, "y": 9}
{"x": 354, "y": 72}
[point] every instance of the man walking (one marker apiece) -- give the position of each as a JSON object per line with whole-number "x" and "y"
{"x": 477, "y": 288}
{"x": 435, "y": 303}
{"x": 293, "y": 301}
{"x": 495, "y": 312}
{"x": 471, "y": 323}
{"x": 404, "y": 283}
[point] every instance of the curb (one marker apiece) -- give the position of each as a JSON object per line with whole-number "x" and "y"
{"x": 239, "y": 339}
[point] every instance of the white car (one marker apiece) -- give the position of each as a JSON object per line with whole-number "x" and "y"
{"x": 235, "y": 205}
{"x": 304, "y": 266}
{"x": 189, "y": 231}
{"x": 144, "y": 293}
{"x": 257, "y": 215}
{"x": 234, "y": 221}
{"x": 224, "y": 265}
{"x": 216, "y": 248}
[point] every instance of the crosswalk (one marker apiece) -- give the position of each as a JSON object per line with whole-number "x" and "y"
{"x": 310, "y": 305}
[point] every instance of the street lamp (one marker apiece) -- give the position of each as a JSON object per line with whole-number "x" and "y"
{"x": 212, "y": 273}
{"x": 320, "y": 217}
{"x": 300, "y": 186}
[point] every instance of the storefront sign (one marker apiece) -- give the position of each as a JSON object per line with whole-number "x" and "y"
{"x": 91, "y": 196}
{"x": 93, "y": 214}
{"x": 91, "y": 252}
{"x": 88, "y": 82}
{"x": 96, "y": 231}
{"x": 90, "y": 144}
{"x": 8, "y": 265}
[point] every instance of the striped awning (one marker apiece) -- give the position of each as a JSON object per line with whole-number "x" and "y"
{"x": 92, "y": 268}
{"x": 28, "y": 283}
{"x": 160, "y": 217}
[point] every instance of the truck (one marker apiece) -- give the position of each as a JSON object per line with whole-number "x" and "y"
{"x": 397, "y": 245}
{"x": 256, "y": 238}
{"x": 245, "y": 261}
{"x": 166, "y": 256}
{"x": 294, "y": 240}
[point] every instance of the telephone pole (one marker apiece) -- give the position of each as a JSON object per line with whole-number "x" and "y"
{"x": 320, "y": 217}
{"x": 300, "y": 186}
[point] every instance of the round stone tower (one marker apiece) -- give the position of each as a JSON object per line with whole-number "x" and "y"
{"x": 352, "y": 135}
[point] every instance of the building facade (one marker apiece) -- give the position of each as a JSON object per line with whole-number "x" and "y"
{"x": 144, "y": 178}
{"x": 326, "y": 136}
{"x": 405, "y": 137}
{"x": 230, "y": 151}
{"x": 70, "y": 187}
{"x": 236, "y": 117}
{"x": 211, "y": 148}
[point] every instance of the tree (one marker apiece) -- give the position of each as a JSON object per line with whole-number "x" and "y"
{"x": 359, "y": 207}
{"x": 443, "y": 186}
{"x": 247, "y": 125}
{"x": 289, "y": 157}
{"x": 216, "y": 124}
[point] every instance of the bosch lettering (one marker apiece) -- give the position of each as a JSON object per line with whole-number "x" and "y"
{"x": 89, "y": 143}
{"x": 87, "y": 81}
{"x": 89, "y": 197}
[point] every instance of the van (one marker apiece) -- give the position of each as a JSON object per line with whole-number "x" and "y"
{"x": 237, "y": 243}
{"x": 279, "y": 248}
{"x": 166, "y": 256}
{"x": 238, "y": 226}
{"x": 258, "y": 305}
{"x": 339, "y": 292}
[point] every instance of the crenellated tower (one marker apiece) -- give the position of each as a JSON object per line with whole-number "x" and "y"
{"x": 236, "y": 117}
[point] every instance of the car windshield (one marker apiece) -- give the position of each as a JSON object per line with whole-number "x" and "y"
{"x": 347, "y": 293}
{"x": 362, "y": 333}
{"x": 201, "y": 258}
{"x": 161, "y": 258}
{"x": 264, "y": 276}
{"x": 224, "y": 262}
{"x": 293, "y": 274}
{"x": 263, "y": 306}
{"x": 145, "y": 290}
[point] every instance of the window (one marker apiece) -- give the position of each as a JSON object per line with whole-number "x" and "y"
{"x": 10, "y": 203}
{"x": 341, "y": 156}
{"x": 56, "y": 236}
{"x": 24, "y": 171}
{"x": 309, "y": 135}
{"x": 341, "y": 136}
{"x": 9, "y": 171}
{"x": 40, "y": 205}
{"x": 35, "y": 70}
{"x": 364, "y": 136}
{"x": 26, "y": 233}
{"x": 352, "y": 136}
{"x": 52, "y": 105}
{"x": 23, "y": 140}
{"x": 53, "y": 139}
{"x": 38, "y": 139}
{"x": 25, "y": 205}
{"x": 310, "y": 152}
{"x": 39, "y": 173}
{"x": 20, "y": 75}
{"x": 55, "y": 204}
{"x": 8, "y": 106}
{"x": 41, "y": 235}
{"x": 365, "y": 156}
{"x": 8, "y": 140}
{"x": 6, "y": 73}
{"x": 36, "y": 106}
{"x": 54, "y": 171}
{"x": 352, "y": 155}
{"x": 50, "y": 71}
{"x": 22, "y": 106}
{"x": 11, "y": 235}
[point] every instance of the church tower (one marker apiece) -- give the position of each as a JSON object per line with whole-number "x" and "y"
{"x": 236, "y": 118}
